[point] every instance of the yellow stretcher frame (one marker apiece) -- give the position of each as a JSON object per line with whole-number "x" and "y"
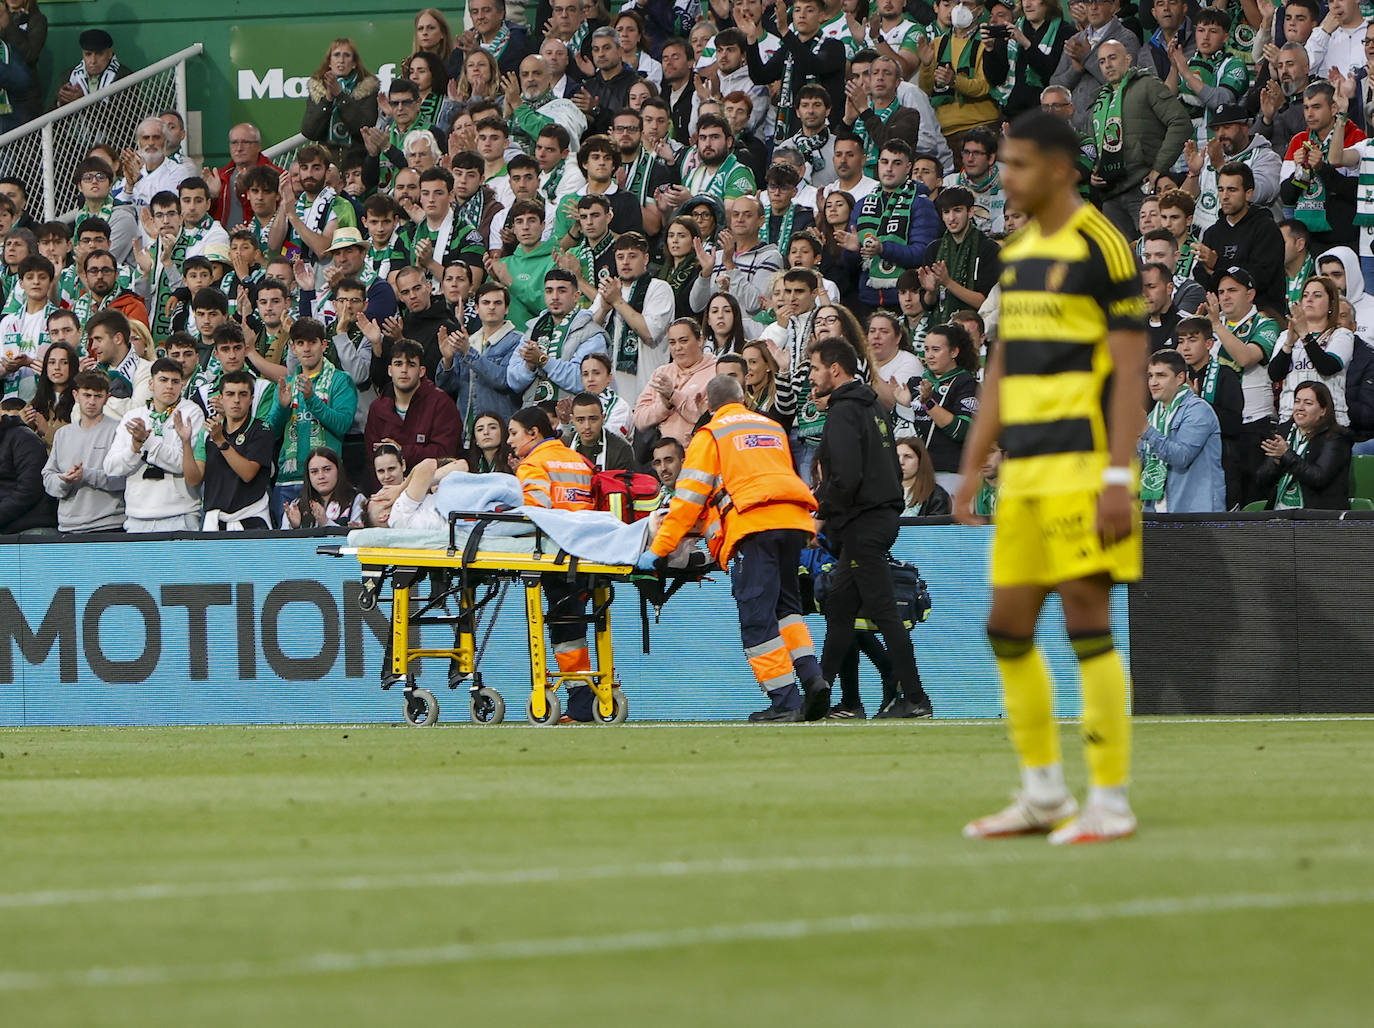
{"x": 407, "y": 567}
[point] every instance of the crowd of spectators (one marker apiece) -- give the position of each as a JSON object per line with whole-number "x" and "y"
{"x": 597, "y": 209}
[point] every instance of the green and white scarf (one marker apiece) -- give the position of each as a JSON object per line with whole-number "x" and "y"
{"x": 812, "y": 148}
{"x": 1153, "y": 470}
{"x": 550, "y": 186}
{"x": 339, "y": 134}
{"x": 551, "y": 335}
{"x": 625, "y": 342}
{"x": 681, "y": 274}
{"x": 161, "y": 318}
{"x": 870, "y": 144}
{"x": 1311, "y": 208}
{"x": 961, "y": 257}
{"x": 85, "y": 303}
{"x": 499, "y": 42}
{"x": 1108, "y": 133}
{"x": 1295, "y": 283}
{"x": 303, "y": 426}
{"x": 579, "y": 34}
{"x": 783, "y": 236}
{"x": 104, "y": 214}
{"x": 886, "y": 217}
{"x": 589, "y": 255}
{"x": 1207, "y": 387}
{"x": 637, "y": 176}
{"x": 791, "y": 84}
{"x": 1289, "y": 490}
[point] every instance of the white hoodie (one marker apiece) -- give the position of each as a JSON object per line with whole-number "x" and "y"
{"x": 1354, "y": 288}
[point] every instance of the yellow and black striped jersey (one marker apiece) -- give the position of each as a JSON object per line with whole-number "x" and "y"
{"x": 1061, "y": 294}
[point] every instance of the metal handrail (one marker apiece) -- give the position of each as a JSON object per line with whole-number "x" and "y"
{"x": 285, "y": 146}
{"x": 133, "y": 79}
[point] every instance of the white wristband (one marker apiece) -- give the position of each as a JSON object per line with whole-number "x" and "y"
{"x": 1118, "y": 476}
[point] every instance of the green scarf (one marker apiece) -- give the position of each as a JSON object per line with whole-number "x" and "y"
{"x": 497, "y": 47}
{"x": 681, "y": 273}
{"x": 1211, "y": 371}
{"x": 302, "y": 426}
{"x": 1289, "y": 490}
{"x": 1242, "y": 41}
{"x": 1108, "y": 133}
{"x": 85, "y": 304}
{"x": 625, "y": 342}
{"x": 589, "y": 255}
{"x": 550, "y": 188}
{"x": 812, "y": 148}
{"x": 637, "y": 176}
{"x": 886, "y": 216}
{"x": 1153, "y": 470}
{"x": 960, "y": 258}
{"x": 1296, "y": 282}
{"x": 1028, "y": 74}
{"x": 870, "y": 144}
{"x": 946, "y": 94}
{"x": 338, "y": 131}
{"x": 1311, "y": 209}
{"x": 783, "y": 236}
{"x": 985, "y": 503}
{"x": 792, "y": 81}
{"x": 552, "y": 336}
{"x": 104, "y": 214}
{"x": 161, "y": 319}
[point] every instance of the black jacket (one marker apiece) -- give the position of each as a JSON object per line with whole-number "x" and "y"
{"x": 1340, "y": 208}
{"x": 23, "y": 502}
{"x": 825, "y": 67}
{"x": 1359, "y": 390}
{"x": 858, "y": 460}
{"x": 612, "y": 95}
{"x": 1255, "y": 244}
{"x": 423, "y": 327}
{"x": 1323, "y": 471}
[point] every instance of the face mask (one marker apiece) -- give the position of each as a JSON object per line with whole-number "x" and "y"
{"x": 961, "y": 17}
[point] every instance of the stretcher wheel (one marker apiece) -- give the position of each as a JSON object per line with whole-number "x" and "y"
{"x": 620, "y": 709}
{"x": 421, "y": 708}
{"x": 553, "y": 710}
{"x": 488, "y": 707}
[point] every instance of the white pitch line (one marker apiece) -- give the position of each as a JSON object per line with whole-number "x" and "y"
{"x": 975, "y": 857}
{"x": 652, "y": 940}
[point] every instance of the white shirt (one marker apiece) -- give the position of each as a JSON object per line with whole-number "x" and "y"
{"x": 659, "y": 306}
{"x": 498, "y": 222}
{"x": 166, "y": 176}
{"x": 862, "y": 188}
{"x": 651, "y": 70}
{"x": 1343, "y": 49}
{"x": 902, "y": 368}
{"x": 573, "y": 181}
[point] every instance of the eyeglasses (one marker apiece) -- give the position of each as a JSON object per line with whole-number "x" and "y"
{"x": 100, "y": 271}
{"x": 242, "y": 142}
{"x": 94, "y": 176}
{"x": 624, "y": 128}
{"x": 1055, "y": 106}
{"x": 974, "y": 151}
{"x": 826, "y": 318}
{"x": 404, "y": 102}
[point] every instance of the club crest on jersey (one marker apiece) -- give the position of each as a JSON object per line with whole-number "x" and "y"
{"x": 1054, "y": 278}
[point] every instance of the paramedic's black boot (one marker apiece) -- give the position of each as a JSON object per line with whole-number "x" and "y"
{"x": 581, "y": 701}
{"x": 786, "y": 706}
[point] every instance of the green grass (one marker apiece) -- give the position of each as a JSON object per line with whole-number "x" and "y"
{"x": 518, "y": 876}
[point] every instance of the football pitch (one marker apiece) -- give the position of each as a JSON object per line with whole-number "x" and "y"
{"x": 669, "y": 875}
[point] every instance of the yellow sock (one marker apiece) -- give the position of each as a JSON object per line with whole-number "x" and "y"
{"x": 1026, "y": 693}
{"x": 1106, "y": 728}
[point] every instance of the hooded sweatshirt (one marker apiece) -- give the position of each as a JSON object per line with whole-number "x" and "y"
{"x": 1255, "y": 244}
{"x": 1354, "y": 287}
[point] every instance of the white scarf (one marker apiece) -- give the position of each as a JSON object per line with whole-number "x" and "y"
{"x": 79, "y": 79}
{"x": 232, "y": 521}
{"x": 318, "y": 216}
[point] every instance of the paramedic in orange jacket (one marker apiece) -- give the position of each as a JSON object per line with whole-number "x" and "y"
{"x": 740, "y": 467}
{"x": 551, "y": 475}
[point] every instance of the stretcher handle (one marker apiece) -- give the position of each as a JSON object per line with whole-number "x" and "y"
{"x": 509, "y": 517}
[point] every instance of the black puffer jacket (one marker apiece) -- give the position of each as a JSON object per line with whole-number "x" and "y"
{"x": 23, "y": 502}
{"x": 1323, "y": 471}
{"x": 858, "y": 459}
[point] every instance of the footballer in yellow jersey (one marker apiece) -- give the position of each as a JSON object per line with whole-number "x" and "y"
{"x": 1062, "y": 396}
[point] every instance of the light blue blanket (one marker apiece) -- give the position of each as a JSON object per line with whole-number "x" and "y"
{"x": 592, "y": 534}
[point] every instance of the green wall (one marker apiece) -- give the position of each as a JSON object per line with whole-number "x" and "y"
{"x": 149, "y": 30}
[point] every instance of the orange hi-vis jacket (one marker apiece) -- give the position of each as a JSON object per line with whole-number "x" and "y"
{"x": 738, "y": 478}
{"x": 551, "y": 475}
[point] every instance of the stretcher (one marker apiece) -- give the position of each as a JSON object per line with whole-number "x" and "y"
{"x": 466, "y": 579}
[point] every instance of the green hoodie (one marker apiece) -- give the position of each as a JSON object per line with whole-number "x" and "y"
{"x": 527, "y": 271}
